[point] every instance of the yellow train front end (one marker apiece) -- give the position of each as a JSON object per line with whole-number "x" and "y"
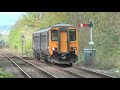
{"x": 63, "y": 44}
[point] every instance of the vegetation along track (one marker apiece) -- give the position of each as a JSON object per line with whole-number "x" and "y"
{"x": 28, "y": 69}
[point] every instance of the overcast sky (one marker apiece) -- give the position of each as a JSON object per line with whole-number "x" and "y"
{"x": 9, "y": 18}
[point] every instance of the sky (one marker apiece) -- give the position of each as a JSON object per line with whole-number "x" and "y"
{"x": 8, "y": 19}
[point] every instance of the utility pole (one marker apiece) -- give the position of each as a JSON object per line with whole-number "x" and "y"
{"x": 22, "y": 41}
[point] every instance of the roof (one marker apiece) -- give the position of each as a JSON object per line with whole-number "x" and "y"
{"x": 42, "y": 30}
{"x": 62, "y": 24}
{"x": 57, "y": 25}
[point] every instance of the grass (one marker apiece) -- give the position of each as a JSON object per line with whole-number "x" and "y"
{"x": 5, "y": 74}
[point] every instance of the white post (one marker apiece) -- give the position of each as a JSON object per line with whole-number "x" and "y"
{"x": 91, "y": 39}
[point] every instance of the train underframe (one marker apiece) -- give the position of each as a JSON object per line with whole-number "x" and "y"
{"x": 63, "y": 58}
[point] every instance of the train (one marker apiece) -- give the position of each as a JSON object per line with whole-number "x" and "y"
{"x": 56, "y": 44}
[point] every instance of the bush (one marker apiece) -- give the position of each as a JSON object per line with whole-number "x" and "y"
{"x": 5, "y": 74}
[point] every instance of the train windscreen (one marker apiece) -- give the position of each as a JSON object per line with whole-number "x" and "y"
{"x": 54, "y": 35}
{"x": 72, "y": 35}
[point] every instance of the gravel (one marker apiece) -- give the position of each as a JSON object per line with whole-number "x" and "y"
{"x": 57, "y": 72}
{"x": 9, "y": 66}
{"x": 5, "y": 63}
{"x": 31, "y": 70}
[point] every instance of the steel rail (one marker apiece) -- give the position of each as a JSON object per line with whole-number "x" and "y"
{"x": 67, "y": 71}
{"x": 51, "y": 75}
{"x": 94, "y": 72}
{"x": 25, "y": 74}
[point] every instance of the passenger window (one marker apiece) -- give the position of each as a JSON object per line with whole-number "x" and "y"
{"x": 54, "y": 35}
{"x": 72, "y": 35}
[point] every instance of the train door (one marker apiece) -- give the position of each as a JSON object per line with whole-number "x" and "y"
{"x": 63, "y": 42}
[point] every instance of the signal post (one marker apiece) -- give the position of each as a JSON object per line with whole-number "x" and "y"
{"x": 90, "y": 53}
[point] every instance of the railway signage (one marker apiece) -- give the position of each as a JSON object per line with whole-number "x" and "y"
{"x": 91, "y": 42}
{"x": 82, "y": 25}
{"x": 85, "y": 25}
{"x": 90, "y": 25}
{"x": 89, "y": 54}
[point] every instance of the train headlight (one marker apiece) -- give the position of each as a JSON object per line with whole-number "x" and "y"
{"x": 73, "y": 48}
{"x": 53, "y": 49}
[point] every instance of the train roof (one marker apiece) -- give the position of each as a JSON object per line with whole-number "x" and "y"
{"x": 57, "y": 25}
{"x": 42, "y": 30}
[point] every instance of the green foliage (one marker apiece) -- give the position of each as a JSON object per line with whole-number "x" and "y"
{"x": 5, "y": 74}
{"x": 14, "y": 38}
{"x": 106, "y": 34}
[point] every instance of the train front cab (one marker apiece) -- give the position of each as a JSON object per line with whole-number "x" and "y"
{"x": 64, "y": 45}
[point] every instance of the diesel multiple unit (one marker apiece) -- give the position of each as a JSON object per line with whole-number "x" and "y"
{"x": 58, "y": 44}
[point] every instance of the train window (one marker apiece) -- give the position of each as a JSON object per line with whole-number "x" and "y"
{"x": 54, "y": 35}
{"x": 72, "y": 35}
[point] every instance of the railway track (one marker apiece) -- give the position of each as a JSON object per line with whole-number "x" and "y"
{"x": 78, "y": 71}
{"x": 74, "y": 72}
{"x": 57, "y": 71}
{"x": 67, "y": 71}
{"x": 28, "y": 69}
{"x": 102, "y": 75}
{"x": 83, "y": 72}
{"x": 60, "y": 71}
